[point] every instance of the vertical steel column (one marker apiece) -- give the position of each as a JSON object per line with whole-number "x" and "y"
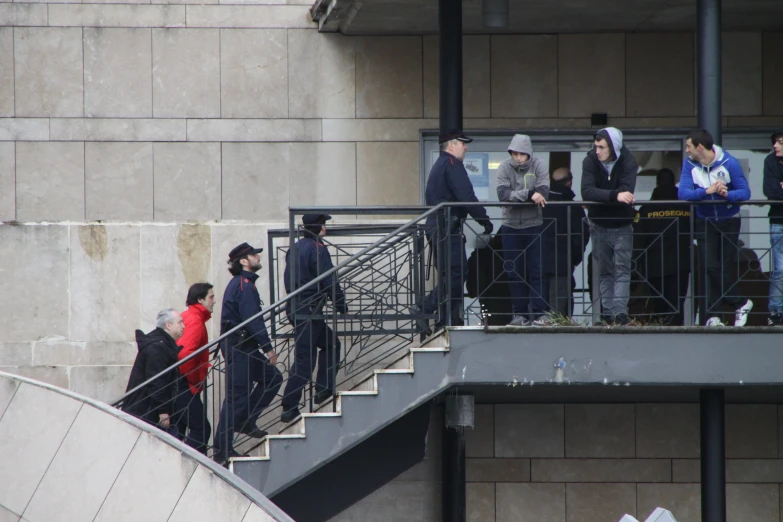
{"x": 458, "y": 415}
{"x": 713, "y": 456}
{"x": 708, "y": 57}
{"x": 450, "y": 19}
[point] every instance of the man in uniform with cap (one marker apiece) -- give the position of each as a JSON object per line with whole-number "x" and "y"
{"x": 448, "y": 182}
{"x": 252, "y": 380}
{"x": 305, "y": 261}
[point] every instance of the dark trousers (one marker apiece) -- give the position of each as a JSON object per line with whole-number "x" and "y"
{"x": 251, "y": 384}
{"x": 719, "y": 253}
{"x": 523, "y": 255}
{"x": 561, "y": 298}
{"x": 454, "y": 273}
{"x": 190, "y": 417}
{"x": 312, "y": 335}
{"x": 668, "y": 297}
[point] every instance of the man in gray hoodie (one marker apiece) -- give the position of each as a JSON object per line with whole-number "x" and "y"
{"x": 524, "y": 179}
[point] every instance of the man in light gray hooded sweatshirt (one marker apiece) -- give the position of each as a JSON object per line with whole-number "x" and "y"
{"x": 524, "y": 179}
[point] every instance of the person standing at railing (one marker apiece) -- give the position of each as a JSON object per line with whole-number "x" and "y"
{"x": 662, "y": 250}
{"x": 158, "y": 351}
{"x": 521, "y": 179}
{"x": 252, "y": 380}
{"x": 448, "y": 182}
{"x": 190, "y": 417}
{"x": 773, "y": 189}
{"x": 609, "y": 176}
{"x": 711, "y": 173}
{"x": 559, "y": 268}
{"x": 305, "y": 261}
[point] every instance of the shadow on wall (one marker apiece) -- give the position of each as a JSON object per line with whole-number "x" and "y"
{"x": 66, "y": 457}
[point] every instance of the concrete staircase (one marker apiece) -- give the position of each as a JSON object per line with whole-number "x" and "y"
{"x": 316, "y": 439}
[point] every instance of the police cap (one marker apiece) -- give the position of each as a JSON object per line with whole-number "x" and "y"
{"x": 454, "y": 135}
{"x": 315, "y": 219}
{"x": 243, "y": 250}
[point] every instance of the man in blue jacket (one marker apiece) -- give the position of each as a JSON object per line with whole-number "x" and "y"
{"x": 305, "y": 261}
{"x": 448, "y": 182}
{"x": 252, "y": 380}
{"x": 773, "y": 189}
{"x": 712, "y": 174}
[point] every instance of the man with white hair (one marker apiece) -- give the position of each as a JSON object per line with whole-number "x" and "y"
{"x": 157, "y": 351}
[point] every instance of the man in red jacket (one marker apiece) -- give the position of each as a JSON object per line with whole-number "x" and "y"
{"x": 191, "y": 415}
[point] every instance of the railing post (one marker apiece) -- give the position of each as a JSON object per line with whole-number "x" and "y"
{"x": 447, "y": 269}
{"x": 689, "y": 319}
{"x": 570, "y": 272}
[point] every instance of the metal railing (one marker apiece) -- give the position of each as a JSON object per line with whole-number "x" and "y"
{"x": 388, "y": 275}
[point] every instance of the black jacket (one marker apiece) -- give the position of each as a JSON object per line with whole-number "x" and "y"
{"x": 661, "y": 240}
{"x": 598, "y": 185}
{"x": 157, "y": 351}
{"x": 556, "y": 233}
{"x": 241, "y": 301}
{"x": 448, "y": 182}
{"x": 773, "y": 177}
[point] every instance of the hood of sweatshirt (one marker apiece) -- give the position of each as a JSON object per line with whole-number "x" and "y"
{"x": 520, "y": 143}
{"x": 560, "y": 192}
{"x": 614, "y": 137}
{"x": 158, "y": 334}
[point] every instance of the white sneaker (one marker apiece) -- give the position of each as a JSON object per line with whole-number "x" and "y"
{"x": 741, "y": 315}
{"x": 544, "y": 320}
{"x": 714, "y": 321}
{"x": 519, "y": 320}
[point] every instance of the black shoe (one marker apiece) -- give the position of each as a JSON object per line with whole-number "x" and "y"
{"x": 322, "y": 396}
{"x": 422, "y": 325}
{"x": 775, "y": 320}
{"x": 606, "y": 320}
{"x": 622, "y": 320}
{"x": 251, "y": 430}
{"x": 221, "y": 457}
{"x": 289, "y": 415}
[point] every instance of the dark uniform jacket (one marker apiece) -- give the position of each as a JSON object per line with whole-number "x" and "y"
{"x": 448, "y": 182}
{"x": 241, "y": 302}
{"x": 556, "y": 233}
{"x": 157, "y": 351}
{"x": 487, "y": 281}
{"x": 661, "y": 241}
{"x": 600, "y": 185}
{"x": 304, "y": 262}
{"x": 773, "y": 177}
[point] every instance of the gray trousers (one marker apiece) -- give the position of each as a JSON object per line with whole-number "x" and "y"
{"x": 612, "y": 248}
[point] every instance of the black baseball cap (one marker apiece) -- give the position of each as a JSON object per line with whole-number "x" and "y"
{"x": 243, "y": 250}
{"x": 315, "y": 219}
{"x": 454, "y": 135}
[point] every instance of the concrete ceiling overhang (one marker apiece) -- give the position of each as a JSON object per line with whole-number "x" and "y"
{"x": 414, "y": 17}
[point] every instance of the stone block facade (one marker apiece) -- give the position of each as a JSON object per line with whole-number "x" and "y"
{"x": 653, "y": 461}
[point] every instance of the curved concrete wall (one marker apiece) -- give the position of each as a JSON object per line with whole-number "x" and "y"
{"x": 66, "y": 457}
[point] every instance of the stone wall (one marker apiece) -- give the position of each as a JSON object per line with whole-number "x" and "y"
{"x": 591, "y": 463}
{"x": 139, "y": 142}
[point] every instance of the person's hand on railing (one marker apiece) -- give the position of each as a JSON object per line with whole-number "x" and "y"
{"x": 272, "y": 356}
{"x": 164, "y": 420}
{"x": 538, "y": 199}
{"x": 625, "y": 197}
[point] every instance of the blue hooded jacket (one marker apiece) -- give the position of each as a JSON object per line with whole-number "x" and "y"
{"x": 696, "y": 178}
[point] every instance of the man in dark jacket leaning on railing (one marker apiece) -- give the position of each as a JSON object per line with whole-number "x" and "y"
{"x": 157, "y": 351}
{"x": 609, "y": 176}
